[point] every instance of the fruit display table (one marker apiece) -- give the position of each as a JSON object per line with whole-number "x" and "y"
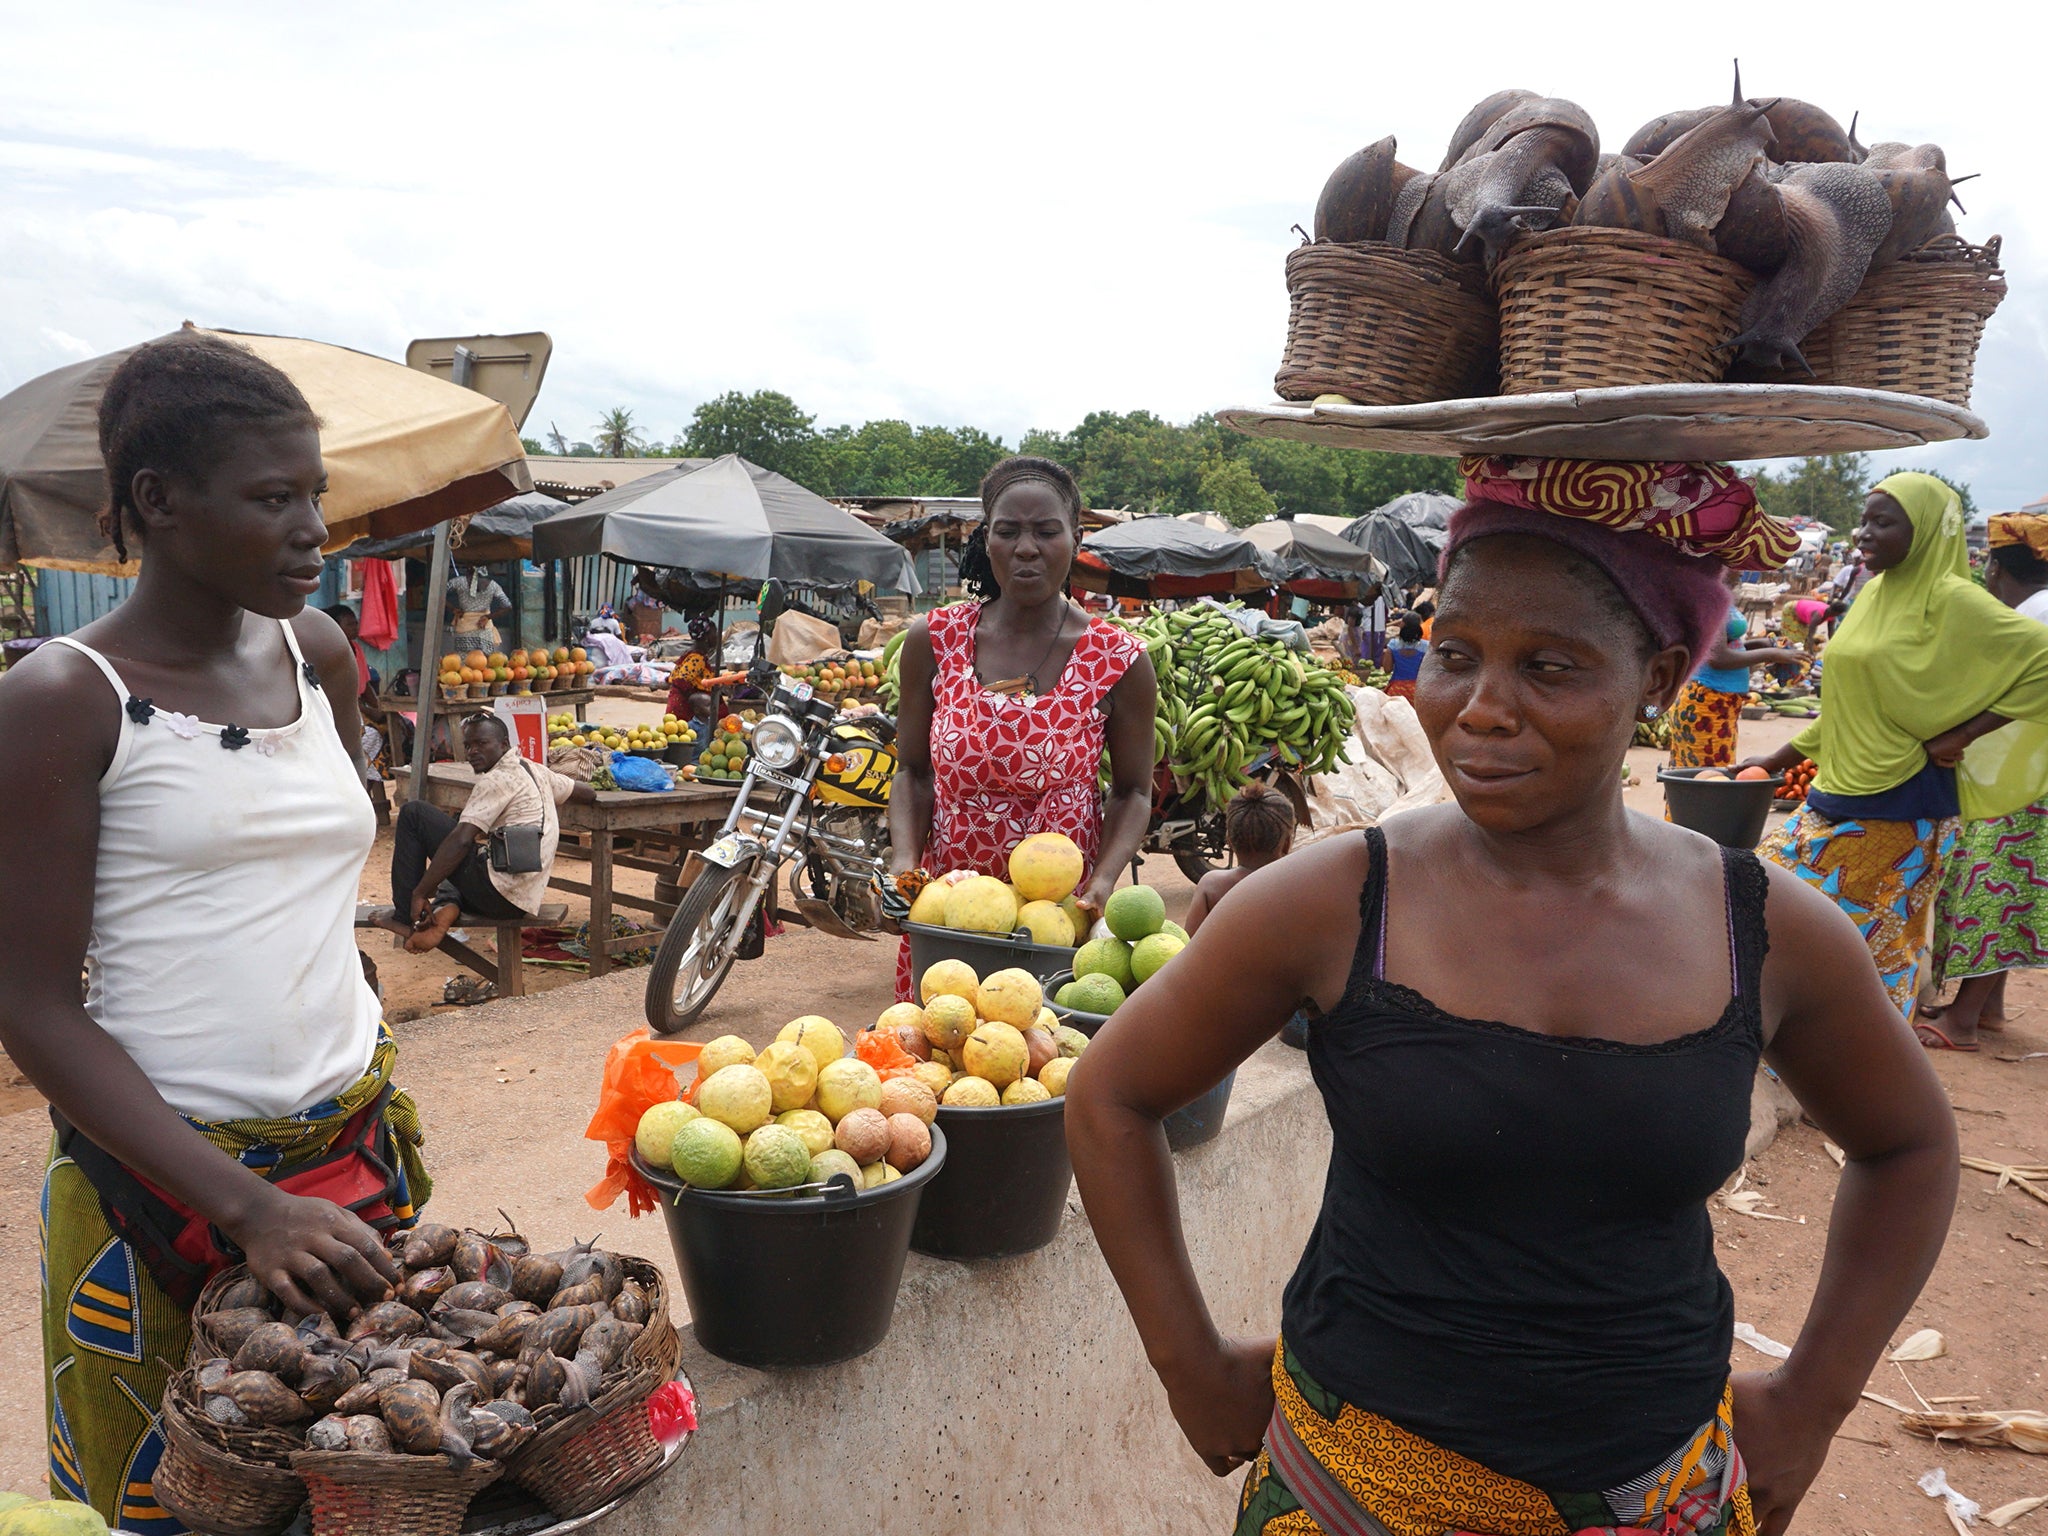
{"x": 675, "y": 821}
{"x": 575, "y": 700}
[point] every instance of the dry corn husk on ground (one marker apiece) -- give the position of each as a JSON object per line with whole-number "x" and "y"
{"x": 2023, "y": 1429}
{"x": 2031, "y": 1178}
{"x": 2005, "y": 1514}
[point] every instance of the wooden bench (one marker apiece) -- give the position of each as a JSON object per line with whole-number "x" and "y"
{"x": 507, "y": 966}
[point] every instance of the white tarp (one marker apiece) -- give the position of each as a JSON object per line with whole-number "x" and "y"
{"x": 1387, "y": 768}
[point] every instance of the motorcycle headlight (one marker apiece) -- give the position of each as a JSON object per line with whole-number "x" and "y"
{"x": 777, "y": 743}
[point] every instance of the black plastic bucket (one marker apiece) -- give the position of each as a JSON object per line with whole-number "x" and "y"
{"x": 1193, "y": 1124}
{"x": 986, "y": 952}
{"x": 1004, "y": 1187}
{"x": 1730, "y": 811}
{"x": 1087, "y": 1023}
{"x": 681, "y": 753}
{"x": 805, "y": 1280}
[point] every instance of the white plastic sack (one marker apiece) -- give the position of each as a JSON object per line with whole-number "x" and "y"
{"x": 799, "y": 638}
{"x": 1387, "y": 768}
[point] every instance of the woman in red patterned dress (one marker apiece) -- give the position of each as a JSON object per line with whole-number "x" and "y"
{"x": 1008, "y": 702}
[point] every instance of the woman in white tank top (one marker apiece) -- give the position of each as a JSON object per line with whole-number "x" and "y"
{"x": 185, "y": 820}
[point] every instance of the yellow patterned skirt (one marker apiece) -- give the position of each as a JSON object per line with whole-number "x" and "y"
{"x": 1413, "y": 1488}
{"x": 1703, "y": 725}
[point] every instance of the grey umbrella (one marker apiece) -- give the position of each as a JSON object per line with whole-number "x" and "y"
{"x": 1315, "y": 561}
{"x": 728, "y": 518}
{"x": 1407, "y": 534}
{"x": 1171, "y": 557}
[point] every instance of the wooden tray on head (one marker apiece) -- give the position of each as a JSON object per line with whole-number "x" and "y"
{"x": 1637, "y": 421}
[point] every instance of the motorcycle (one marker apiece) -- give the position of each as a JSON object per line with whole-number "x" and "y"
{"x": 816, "y": 791}
{"x": 1189, "y": 829}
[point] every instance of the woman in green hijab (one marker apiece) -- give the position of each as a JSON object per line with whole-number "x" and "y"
{"x": 1925, "y": 663}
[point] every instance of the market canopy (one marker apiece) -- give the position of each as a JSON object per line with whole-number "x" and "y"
{"x": 1408, "y": 535}
{"x": 728, "y": 518}
{"x": 1170, "y": 557}
{"x": 503, "y": 532}
{"x": 1312, "y": 563}
{"x": 404, "y": 450}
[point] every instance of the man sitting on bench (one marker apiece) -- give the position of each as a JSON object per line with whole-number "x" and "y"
{"x": 438, "y": 868}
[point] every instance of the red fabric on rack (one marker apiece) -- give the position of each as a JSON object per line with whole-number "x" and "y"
{"x": 378, "y": 624}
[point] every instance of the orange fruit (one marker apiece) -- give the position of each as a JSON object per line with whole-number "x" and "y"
{"x": 475, "y": 659}
{"x": 1752, "y": 774}
{"x": 577, "y": 653}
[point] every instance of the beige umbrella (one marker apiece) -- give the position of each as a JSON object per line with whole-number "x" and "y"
{"x": 404, "y": 450}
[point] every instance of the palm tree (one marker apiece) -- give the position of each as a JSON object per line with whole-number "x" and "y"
{"x": 616, "y": 436}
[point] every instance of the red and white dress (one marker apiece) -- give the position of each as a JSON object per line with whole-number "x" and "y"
{"x": 1005, "y": 766}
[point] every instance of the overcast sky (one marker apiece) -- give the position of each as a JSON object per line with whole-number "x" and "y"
{"x": 1003, "y": 215}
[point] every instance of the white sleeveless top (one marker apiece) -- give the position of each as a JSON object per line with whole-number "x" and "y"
{"x": 223, "y": 955}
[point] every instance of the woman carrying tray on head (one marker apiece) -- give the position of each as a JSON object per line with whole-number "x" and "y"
{"x": 225, "y": 1086}
{"x": 1924, "y": 663}
{"x": 1508, "y": 1318}
{"x": 1009, "y": 702}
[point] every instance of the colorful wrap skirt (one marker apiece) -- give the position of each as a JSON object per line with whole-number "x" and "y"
{"x": 1703, "y": 724}
{"x": 1994, "y": 898}
{"x": 1886, "y": 875}
{"x": 112, "y": 1336}
{"x": 1384, "y": 1481}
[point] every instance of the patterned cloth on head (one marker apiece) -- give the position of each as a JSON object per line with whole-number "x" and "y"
{"x": 1885, "y": 875}
{"x": 2027, "y": 528}
{"x": 111, "y": 1336}
{"x": 1703, "y": 726}
{"x": 1994, "y": 898}
{"x": 1007, "y": 765}
{"x": 1412, "y": 1487}
{"x": 1703, "y": 509}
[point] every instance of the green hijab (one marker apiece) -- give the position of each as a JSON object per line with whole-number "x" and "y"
{"x": 1923, "y": 649}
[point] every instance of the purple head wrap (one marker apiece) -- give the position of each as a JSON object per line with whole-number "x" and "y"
{"x": 1679, "y": 597}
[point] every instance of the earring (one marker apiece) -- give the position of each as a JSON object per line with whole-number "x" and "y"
{"x": 1650, "y": 711}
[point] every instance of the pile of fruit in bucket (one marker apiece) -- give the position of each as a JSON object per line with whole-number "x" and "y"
{"x": 566, "y": 731}
{"x": 796, "y": 1113}
{"x": 480, "y": 674}
{"x": 725, "y": 754}
{"x": 1130, "y": 946}
{"x": 991, "y": 1038}
{"x": 1725, "y": 775}
{"x": 848, "y": 677}
{"x": 1798, "y": 780}
{"x": 1045, "y": 870}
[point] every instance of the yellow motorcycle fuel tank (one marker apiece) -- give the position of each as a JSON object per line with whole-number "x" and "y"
{"x": 866, "y": 767}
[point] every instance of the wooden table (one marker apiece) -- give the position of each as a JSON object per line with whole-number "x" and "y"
{"x": 677, "y": 819}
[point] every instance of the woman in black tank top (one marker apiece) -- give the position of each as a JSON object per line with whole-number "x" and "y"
{"x": 1535, "y": 1023}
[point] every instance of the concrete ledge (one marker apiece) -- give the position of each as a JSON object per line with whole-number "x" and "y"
{"x": 1012, "y": 1394}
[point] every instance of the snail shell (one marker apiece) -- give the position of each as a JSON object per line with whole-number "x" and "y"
{"x": 329, "y": 1434}
{"x": 545, "y": 1380}
{"x": 366, "y": 1432}
{"x": 1482, "y": 117}
{"x": 325, "y": 1380}
{"x": 411, "y": 1411}
{"x": 631, "y": 1304}
{"x": 423, "y": 1287}
{"x": 212, "y": 1374}
{"x": 263, "y": 1398}
{"x": 508, "y": 1335}
{"x": 274, "y": 1348}
{"x": 504, "y": 1377}
{"x": 245, "y": 1292}
{"x": 461, "y": 1325}
{"x": 560, "y": 1329}
{"x": 455, "y": 1425}
{"x": 474, "y": 1296}
{"x": 587, "y": 1292}
{"x": 222, "y": 1410}
{"x": 365, "y": 1395}
{"x": 427, "y": 1245}
{"x": 233, "y": 1327}
{"x": 606, "y": 1339}
{"x": 392, "y": 1319}
{"x": 536, "y": 1278}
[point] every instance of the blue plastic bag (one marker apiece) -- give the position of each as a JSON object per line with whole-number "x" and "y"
{"x": 642, "y": 773}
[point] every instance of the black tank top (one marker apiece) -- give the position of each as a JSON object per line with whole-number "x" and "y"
{"x": 1513, "y": 1258}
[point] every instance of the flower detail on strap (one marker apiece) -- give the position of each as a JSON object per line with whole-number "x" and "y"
{"x": 269, "y": 742}
{"x": 186, "y": 726}
{"x": 312, "y": 673}
{"x": 234, "y": 737}
{"x": 139, "y": 710}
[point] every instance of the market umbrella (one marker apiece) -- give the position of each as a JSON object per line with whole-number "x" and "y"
{"x": 503, "y": 532}
{"x": 1408, "y": 535}
{"x": 729, "y": 518}
{"x": 404, "y": 450}
{"x": 1170, "y": 557}
{"x": 1314, "y": 563}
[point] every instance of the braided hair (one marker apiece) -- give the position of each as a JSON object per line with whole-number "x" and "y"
{"x": 171, "y": 405}
{"x": 1258, "y": 822}
{"x": 977, "y": 573}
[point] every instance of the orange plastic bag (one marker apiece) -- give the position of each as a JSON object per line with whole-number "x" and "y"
{"x": 637, "y": 1075}
{"x": 882, "y": 1051}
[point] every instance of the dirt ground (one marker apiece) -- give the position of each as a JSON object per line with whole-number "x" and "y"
{"x": 506, "y": 1089}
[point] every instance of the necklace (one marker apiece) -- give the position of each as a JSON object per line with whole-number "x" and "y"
{"x": 1028, "y": 683}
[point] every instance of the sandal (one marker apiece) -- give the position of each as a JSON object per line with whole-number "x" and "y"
{"x": 467, "y": 991}
{"x": 1932, "y": 1038}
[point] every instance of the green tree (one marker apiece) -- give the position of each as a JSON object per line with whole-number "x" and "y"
{"x": 765, "y": 427}
{"x": 1829, "y": 489}
{"x": 533, "y": 445}
{"x": 1228, "y": 487}
{"x": 617, "y": 436}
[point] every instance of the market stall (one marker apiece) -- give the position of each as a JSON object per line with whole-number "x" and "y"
{"x": 613, "y": 833}
{"x": 1168, "y": 557}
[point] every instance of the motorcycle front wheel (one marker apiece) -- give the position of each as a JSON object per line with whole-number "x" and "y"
{"x": 699, "y": 947}
{"x": 1203, "y": 851}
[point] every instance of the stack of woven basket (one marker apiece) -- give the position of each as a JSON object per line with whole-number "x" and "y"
{"x": 1752, "y": 242}
{"x": 489, "y": 1360}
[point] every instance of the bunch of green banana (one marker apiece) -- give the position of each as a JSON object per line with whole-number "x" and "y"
{"x": 1225, "y": 698}
{"x": 892, "y": 676}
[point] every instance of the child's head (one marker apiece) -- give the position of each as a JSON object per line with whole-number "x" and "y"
{"x": 1411, "y": 630}
{"x": 1258, "y": 824}
{"x": 1425, "y": 609}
